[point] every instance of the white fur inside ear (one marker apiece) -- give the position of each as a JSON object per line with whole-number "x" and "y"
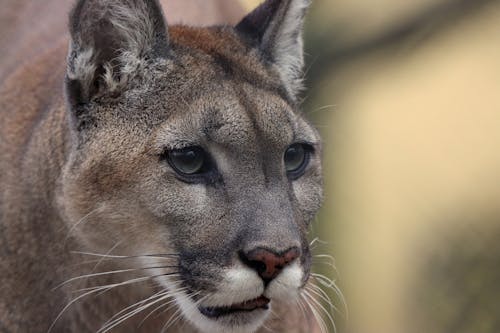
{"x": 132, "y": 21}
{"x": 288, "y": 46}
{"x": 137, "y": 33}
{"x": 132, "y": 30}
{"x": 82, "y": 68}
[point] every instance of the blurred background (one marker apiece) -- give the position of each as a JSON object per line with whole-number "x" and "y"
{"x": 407, "y": 97}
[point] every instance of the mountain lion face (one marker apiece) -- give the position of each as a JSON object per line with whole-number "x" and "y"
{"x": 190, "y": 154}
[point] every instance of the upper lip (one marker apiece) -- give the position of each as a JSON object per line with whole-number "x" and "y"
{"x": 260, "y": 302}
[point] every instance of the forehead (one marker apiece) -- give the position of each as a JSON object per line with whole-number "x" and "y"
{"x": 219, "y": 95}
{"x": 234, "y": 99}
{"x": 235, "y": 117}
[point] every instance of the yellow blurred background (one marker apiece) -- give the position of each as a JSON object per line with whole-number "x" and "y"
{"x": 407, "y": 97}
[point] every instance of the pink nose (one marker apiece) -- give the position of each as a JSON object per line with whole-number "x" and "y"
{"x": 269, "y": 264}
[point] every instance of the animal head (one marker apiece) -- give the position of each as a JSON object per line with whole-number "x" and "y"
{"x": 188, "y": 143}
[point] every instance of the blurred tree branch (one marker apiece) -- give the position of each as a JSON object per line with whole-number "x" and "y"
{"x": 333, "y": 56}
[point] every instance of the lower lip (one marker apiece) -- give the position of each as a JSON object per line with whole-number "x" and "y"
{"x": 260, "y": 303}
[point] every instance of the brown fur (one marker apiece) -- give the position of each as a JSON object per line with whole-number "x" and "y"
{"x": 53, "y": 176}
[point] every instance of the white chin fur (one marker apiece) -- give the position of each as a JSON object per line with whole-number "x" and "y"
{"x": 240, "y": 284}
{"x": 206, "y": 325}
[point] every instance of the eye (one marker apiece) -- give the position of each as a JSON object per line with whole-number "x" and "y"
{"x": 187, "y": 161}
{"x": 296, "y": 159}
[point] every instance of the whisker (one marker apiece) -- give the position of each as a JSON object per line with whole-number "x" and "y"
{"x": 103, "y": 259}
{"x": 297, "y": 301}
{"x": 109, "y": 273}
{"x": 100, "y": 260}
{"x": 327, "y": 264}
{"x": 82, "y": 220}
{"x": 67, "y": 306}
{"x": 323, "y": 255}
{"x": 301, "y": 301}
{"x": 315, "y": 313}
{"x": 119, "y": 320}
{"x": 158, "y": 256}
{"x": 172, "y": 320}
{"x": 156, "y": 295}
{"x": 325, "y": 107}
{"x": 306, "y": 294}
{"x": 172, "y": 303}
{"x": 173, "y": 274}
{"x": 178, "y": 313}
{"x": 302, "y": 308}
{"x": 328, "y": 283}
{"x": 313, "y": 241}
{"x": 113, "y": 323}
{"x": 321, "y": 294}
{"x": 325, "y": 259}
{"x": 131, "y": 281}
{"x": 324, "y": 296}
{"x": 194, "y": 307}
{"x": 104, "y": 288}
{"x": 159, "y": 307}
{"x": 328, "y": 258}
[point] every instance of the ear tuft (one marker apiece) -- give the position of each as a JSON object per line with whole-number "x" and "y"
{"x": 109, "y": 41}
{"x": 276, "y": 26}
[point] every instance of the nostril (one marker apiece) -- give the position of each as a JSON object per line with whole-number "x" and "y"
{"x": 259, "y": 266}
{"x": 268, "y": 264}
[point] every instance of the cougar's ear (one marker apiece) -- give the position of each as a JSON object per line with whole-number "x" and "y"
{"x": 276, "y": 27}
{"x": 109, "y": 41}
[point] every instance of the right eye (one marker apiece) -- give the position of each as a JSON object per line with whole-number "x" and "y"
{"x": 187, "y": 161}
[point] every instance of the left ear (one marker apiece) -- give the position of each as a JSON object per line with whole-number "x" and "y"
{"x": 276, "y": 26}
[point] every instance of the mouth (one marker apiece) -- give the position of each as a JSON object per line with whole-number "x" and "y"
{"x": 259, "y": 303}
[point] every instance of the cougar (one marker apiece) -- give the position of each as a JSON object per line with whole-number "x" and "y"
{"x": 162, "y": 178}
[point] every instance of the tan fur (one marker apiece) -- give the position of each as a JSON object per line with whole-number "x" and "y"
{"x": 59, "y": 185}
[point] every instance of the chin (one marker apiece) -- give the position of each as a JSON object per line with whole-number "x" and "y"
{"x": 243, "y": 302}
{"x": 243, "y": 317}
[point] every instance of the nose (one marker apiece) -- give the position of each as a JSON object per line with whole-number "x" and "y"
{"x": 267, "y": 263}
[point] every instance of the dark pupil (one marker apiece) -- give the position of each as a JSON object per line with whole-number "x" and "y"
{"x": 188, "y": 161}
{"x": 294, "y": 157}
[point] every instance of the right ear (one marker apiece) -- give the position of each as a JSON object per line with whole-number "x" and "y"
{"x": 276, "y": 28}
{"x": 110, "y": 39}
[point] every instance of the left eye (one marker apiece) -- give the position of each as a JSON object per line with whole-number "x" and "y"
{"x": 187, "y": 161}
{"x": 296, "y": 159}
